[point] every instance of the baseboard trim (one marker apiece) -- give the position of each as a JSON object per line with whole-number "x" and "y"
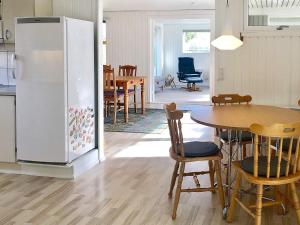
{"x": 68, "y": 171}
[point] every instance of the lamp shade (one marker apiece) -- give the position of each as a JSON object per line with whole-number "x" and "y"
{"x": 227, "y": 42}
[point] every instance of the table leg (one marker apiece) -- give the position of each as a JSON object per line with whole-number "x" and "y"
{"x": 126, "y": 104}
{"x": 143, "y": 97}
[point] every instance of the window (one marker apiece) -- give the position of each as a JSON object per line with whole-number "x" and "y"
{"x": 196, "y": 42}
{"x": 271, "y": 14}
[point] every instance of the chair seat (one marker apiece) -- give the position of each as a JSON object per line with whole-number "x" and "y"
{"x": 246, "y": 136}
{"x": 200, "y": 149}
{"x": 248, "y": 165}
{"x": 111, "y": 94}
{"x": 122, "y": 91}
{"x": 193, "y": 80}
{"x": 192, "y": 75}
{"x": 286, "y": 145}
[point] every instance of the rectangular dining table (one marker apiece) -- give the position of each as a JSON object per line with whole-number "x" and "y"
{"x": 130, "y": 81}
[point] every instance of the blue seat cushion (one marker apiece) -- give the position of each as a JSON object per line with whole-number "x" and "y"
{"x": 194, "y": 80}
{"x": 200, "y": 149}
{"x": 111, "y": 94}
{"x": 246, "y": 135}
{"x": 248, "y": 165}
{"x": 122, "y": 91}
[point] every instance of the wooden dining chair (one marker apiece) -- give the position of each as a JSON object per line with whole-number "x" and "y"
{"x": 111, "y": 94}
{"x": 285, "y": 143}
{"x": 106, "y": 67}
{"x": 129, "y": 70}
{"x": 276, "y": 143}
{"x": 233, "y": 99}
{"x": 188, "y": 152}
{"x": 267, "y": 169}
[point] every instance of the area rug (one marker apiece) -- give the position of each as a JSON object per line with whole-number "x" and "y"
{"x": 153, "y": 121}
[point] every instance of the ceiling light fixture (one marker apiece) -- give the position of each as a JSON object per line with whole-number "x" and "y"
{"x": 227, "y": 41}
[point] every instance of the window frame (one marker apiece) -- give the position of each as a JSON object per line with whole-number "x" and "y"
{"x": 263, "y": 28}
{"x": 198, "y": 31}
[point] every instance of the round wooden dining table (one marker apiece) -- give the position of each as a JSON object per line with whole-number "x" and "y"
{"x": 240, "y": 118}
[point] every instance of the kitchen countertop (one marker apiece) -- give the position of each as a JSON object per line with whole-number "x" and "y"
{"x": 7, "y": 90}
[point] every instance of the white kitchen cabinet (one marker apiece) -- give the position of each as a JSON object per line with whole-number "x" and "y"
{"x": 7, "y": 129}
{"x": 11, "y": 10}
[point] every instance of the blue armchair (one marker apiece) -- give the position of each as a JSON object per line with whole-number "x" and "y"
{"x": 186, "y": 69}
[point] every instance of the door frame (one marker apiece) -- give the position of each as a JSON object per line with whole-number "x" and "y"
{"x": 201, "y": 14}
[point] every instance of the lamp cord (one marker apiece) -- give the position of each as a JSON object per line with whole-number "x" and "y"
{"x": 227, "y": 3}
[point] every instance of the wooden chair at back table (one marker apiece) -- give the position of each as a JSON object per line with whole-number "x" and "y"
{"x": 233, "y": 99}
{"x": 111, "y": 94}
{"x": 267, "y": 169}
{"x": 106, "y": 68}
{"x": 129, "y": 70}
{"x": 186, "y": 152}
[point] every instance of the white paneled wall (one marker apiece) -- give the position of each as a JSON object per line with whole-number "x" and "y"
{"x": 128, "y": 36}
{"x": 173, "y": 49}
{"x": 128, "y": 39}
{"x": 267, "y": 66}
{"x": 80, "y": 9}
{"x": 43, "y": 8}
{"x": 271, "y": 72}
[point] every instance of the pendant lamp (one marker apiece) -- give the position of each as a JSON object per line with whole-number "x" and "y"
{"x": 227, "y": 41}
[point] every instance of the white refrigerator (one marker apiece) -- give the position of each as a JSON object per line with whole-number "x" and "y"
{"x": 55, "y": 100}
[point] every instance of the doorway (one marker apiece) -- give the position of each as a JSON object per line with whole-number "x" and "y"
{"x": 173, "y": 39}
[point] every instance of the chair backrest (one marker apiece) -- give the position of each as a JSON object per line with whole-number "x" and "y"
{"x": 127, "y": 70}
{"x": 175, "y": 128}
{"x": 276, "y": 164}
{"x": 106, "y": 67}
{"x": 299, "y": 102}
{"x": 186, "y": 65}
{"x": 109, "y": 80}
{"x": 230, "y": 99}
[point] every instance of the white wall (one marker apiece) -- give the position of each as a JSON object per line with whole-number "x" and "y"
{"x": 266, "y": 67}
{"x": 173, "y": 49}
{"x": 80, "y": 9}
{"x": 128, "y": 36}
{"x": 43, "y": 8}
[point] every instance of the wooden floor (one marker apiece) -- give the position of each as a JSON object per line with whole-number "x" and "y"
{"x": 182, "y": 95}
{"x": 129, "y": 188}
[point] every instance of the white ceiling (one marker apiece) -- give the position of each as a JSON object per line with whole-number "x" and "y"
{"x": 120, "y": 5}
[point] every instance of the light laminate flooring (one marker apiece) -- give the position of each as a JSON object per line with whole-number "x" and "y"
{"x": 181, "y": 95}
{"x": 129, "y": 188}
